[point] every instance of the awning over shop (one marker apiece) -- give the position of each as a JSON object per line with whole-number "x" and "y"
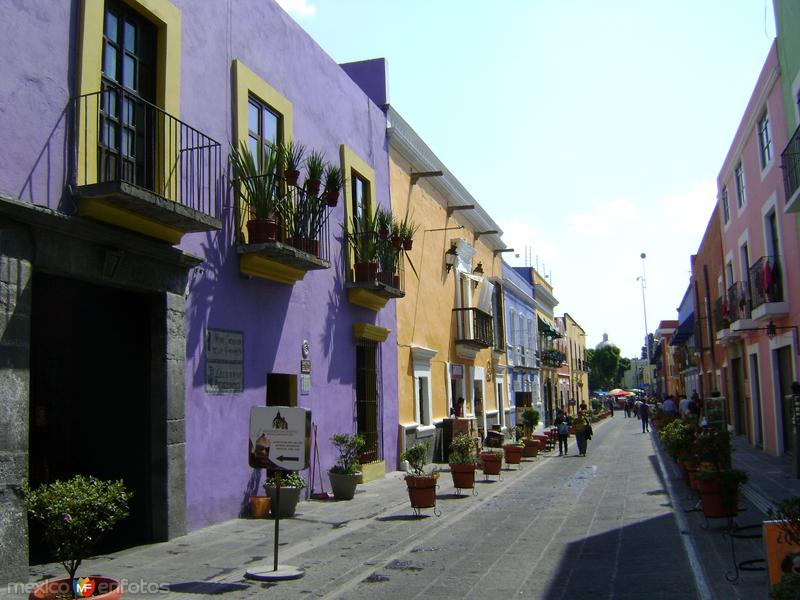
{"x": 684, "y": 331}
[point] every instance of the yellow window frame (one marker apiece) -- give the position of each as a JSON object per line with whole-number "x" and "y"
{"x": 167, "y": 19}
{"x": 352, "y": 163}
{"x": 247, "y": 83}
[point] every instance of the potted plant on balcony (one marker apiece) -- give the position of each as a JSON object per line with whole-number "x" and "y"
{"x": 334, "y": 180}
{"x": 346, "y": 473}
{"x": 315, "y": 168}
{"x": 292, "y": 485}
{"x": 421, "y": 485}
{"x": 256, "y": 186}
{"x": 463, "y": 461}
{"x": 76, "y": 514}
{"x": 407, "y": 230}
{"x": 384, "y": 223}
{"x": 362, "y": 237}
{"x": 290, "y": 157}
{"x": 388, "y": 259}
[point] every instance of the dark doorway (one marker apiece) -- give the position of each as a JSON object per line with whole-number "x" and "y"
{"x": 755, "y": 382}
{"x": 91, "y": 396}
{"x": 367, "y": 399}
{"x": 785, "y": 376}
{"x": 737, "y": 387}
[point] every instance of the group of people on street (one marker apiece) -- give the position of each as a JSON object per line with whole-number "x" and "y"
{"x": 581, "y": 425}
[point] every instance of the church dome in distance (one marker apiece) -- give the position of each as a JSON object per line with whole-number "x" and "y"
{"x": 604, "y": 343}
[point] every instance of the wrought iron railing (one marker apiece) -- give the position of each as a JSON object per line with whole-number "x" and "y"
{"x": 739, "y": 303}
{"x": 474, "y": 326}
{"x": 721, "y": 314}
{"x": 290, "y": 215}
{"x": 790, "y": 163}
{"x": 765, "y": 281}
{"x": 119, "y": 137}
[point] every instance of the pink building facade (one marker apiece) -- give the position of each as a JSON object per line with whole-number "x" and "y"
{"x": 760, "y": 299}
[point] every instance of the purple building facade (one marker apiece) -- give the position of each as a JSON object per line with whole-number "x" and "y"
{"x": 138, "y": 322}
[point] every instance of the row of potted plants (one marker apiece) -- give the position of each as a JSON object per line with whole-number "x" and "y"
{"x": 278, "y": 207}
{"x": 377, "y": 241}
{"x": 704, "y": 457}
{"x": 465, "y": 458}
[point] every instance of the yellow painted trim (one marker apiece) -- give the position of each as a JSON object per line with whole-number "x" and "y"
{"x": 353, "y": 162}
{"x": 373, "y": 471}
{"x": 366, "y": 331}
{"x": 103, "y": 211}
{"x": 366, "y": 299}
{"x": 167, "y": 19}
{"x": 265, "y": 268}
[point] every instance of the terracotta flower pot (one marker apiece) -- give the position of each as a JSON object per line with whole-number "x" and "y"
{"x": 463, "y": 476}
{"x": 422, "y": 490}
{"x": 530, "y": 449}
{"x": 383, "y": 233}
{"x": 291, "y": 176}
{"x": 716, "y": 501}
{"x": 313, "y": 186}
{"x": 491, "y": 463}
{"x": 513, "y": 454}
{"x": 261, "y": 230}
{"x": 332, "y": 197}
{"x": 366, "y": 271}
{"x": 397, "y": 243}
{"x": 105, "y": 588}
{"x": 407, "y": 244}
{"x": 259, "y": 506}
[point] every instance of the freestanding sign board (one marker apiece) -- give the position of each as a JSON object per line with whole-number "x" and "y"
{"x": 279, "y": 437}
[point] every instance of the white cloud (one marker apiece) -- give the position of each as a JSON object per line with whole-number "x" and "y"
{"x": 298, "y": 7}
{"x": 518, "y": 234}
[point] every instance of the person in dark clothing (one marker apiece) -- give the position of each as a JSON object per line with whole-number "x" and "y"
{"x": 562, "y": 423}
{"x": 644, "y": 415}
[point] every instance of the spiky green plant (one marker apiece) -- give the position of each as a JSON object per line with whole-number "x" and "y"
{"x": 256, "y": 181}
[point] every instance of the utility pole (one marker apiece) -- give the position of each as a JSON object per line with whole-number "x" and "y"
{"x": 646, "y": 330}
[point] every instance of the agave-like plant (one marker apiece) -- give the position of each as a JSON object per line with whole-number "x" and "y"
{"x": 334, "y": 178}
{"x": 291, "y": 155}
{"x": 315, "y": 165}
{"x": 255, "y": 182}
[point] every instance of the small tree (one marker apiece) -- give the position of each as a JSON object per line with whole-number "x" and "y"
{"x": 76, "y": 514}
{"x": 350, "y": 446}
{"x": 530, "y": 418}
{"x": 417, "y": 457}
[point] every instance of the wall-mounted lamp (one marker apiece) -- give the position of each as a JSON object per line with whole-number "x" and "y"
{"x": 416, "y": 176}
{"x": 478, "y": 234}
{"x": 501, "y": 250}
{"x": 772, "y": 330}
{"x": 450, "y": 258}
{"x": 478, "y": 270}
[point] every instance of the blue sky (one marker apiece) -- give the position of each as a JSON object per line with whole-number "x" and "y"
{"x": 607, "y": 122}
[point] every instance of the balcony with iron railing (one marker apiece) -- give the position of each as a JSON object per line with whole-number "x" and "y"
{"x": 135, "y": 166}
{"x": 740, "y": 305}
{"x": 378, "y": 271}
{"x": 766, "y": 286}
{"x": 291, "y": 238}
{"x": 790, "y": 164}
{"x": 474, "y": 331}
{"x": 722, "y": 319}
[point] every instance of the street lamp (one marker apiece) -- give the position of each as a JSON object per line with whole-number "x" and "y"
{"x": 644, "y": 307}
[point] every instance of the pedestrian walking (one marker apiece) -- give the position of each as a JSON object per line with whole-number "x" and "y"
{"x": 562, "y": 423}
{"x": 644, "y": 415}
{"x": 611, "y": 404}
{"x": 669, "y": 408}
{"x": 628, "y": 407}
{"x": 583, "y": 428}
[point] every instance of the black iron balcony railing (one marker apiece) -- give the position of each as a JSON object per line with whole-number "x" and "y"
{"x": 121, "y": 138}
{"x": 739, "y": 302}
{"x": 790, "y": 163}
{"x": 474, "y": 326}
{"x": 721, "y": 314}
{"x": 290, "y": 215}
{"x": 765, "y": 281}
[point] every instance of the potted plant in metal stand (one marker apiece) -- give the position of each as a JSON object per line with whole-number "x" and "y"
{"x": 346, "y": 473}
{"x": 513, "y": 449}
{"x": 290, "y": 156}
{"x": 256, "y": 186}
{"x": 463, "y": 462}
{"x": 315, "y": 168}
{"x": 421, "y": 485}
{"x": 334, "y": 180}
{"x": 292, "y": 485}
{"x": 491, "y": 461}
{"x": 530, "y": 419}
{"x": 76, "y": 514}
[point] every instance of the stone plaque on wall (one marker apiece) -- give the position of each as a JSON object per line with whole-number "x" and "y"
{"x": 224, "y": 354}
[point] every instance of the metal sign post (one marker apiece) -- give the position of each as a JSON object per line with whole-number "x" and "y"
{"x": 279, "y": 440}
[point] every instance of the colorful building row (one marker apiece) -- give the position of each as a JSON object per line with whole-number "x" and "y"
{"x": 145, "y": 310}
{"x": 737, "y": 331}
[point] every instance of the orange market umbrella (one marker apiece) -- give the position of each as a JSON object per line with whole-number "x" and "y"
{"x": 618, "y": 393}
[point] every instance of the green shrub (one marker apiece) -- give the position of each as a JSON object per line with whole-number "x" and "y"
{"x": 462, "y": 450}
{"x": 787, "y": 589}
{"x": 417, "y": 457}
{"x": 76, "y": 514}
{"x": 350, "y": 447}
{"x": 288, "y": 479}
